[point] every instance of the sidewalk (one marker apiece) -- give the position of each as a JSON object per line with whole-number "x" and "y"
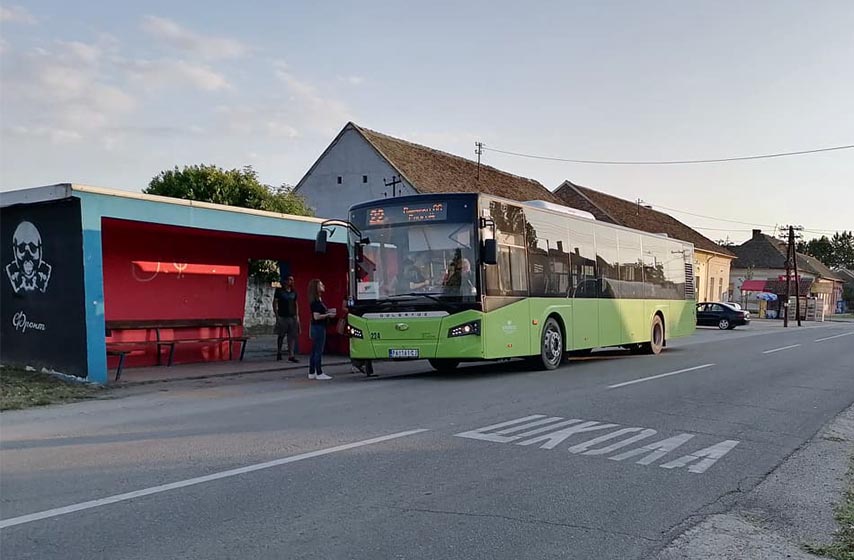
{"x": 791, "y": 508}
{"x": 260, "y": 357}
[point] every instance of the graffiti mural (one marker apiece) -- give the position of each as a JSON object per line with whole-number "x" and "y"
{"x": 29, "y": 271}
{"x": 42, "y": 318}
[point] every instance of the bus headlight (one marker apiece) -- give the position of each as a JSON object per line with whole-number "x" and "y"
{"x": 466, "y": 329}
{"x": 353, "y": 332}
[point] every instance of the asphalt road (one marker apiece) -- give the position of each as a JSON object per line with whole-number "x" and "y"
{"x": 611, "y": 456}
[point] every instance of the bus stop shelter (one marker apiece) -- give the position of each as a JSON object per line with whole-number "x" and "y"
{"x": 92, "y": 276}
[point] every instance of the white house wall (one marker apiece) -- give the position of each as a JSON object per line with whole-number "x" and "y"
{"x": 712, "y": 273}
{"x": 362, "y": 171}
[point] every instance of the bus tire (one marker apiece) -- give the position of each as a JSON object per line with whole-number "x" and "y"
{"x": 656, "y": 333}
{"x": 552, "y": 348}
{"x": 444, "y": 365}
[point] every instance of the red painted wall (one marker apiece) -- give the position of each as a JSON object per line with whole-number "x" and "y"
{"x": 163, "y": 284}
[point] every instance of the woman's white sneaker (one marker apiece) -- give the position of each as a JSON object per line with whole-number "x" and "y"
{"x": 323, "y": 377}
{"x": 312, "y": 376}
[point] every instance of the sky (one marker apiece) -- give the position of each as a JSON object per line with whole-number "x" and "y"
{"x": 111, "y": 93}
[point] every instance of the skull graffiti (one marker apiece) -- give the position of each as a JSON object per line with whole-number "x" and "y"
{"x": 28, "y": 248}
{"x": 29, "y": 271}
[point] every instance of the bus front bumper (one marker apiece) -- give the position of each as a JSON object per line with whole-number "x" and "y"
{"x": 389, "y": 345}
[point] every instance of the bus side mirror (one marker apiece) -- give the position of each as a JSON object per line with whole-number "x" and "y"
{"x": 320, "y": 242}
{"x": 359, "y": 253}
{"x": 490, "y": 251}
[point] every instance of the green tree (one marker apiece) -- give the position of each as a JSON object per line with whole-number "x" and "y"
{"x": 837, "y": 251}
{"x": 233, "y": 187}
{"x": 819, "y": 247}
{"x": 843, "y": 249}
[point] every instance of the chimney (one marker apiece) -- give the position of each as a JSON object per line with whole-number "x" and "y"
{"x": 757, "y": 234}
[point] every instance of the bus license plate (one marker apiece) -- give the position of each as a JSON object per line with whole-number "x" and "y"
{"x": 403, "y": 353}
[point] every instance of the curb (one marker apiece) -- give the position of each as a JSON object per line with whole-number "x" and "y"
{"x": 265, "y": 369}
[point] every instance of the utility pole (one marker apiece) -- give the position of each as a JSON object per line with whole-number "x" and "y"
{"x": 479, "y": 151}
{"x": 792, "y": 266}
{"x": 637, "y": 211}
{"x": 797, "y": 280}
{"x": 395, "y": 180}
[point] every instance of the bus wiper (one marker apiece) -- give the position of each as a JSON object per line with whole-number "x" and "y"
{"x": 449, "y": 306}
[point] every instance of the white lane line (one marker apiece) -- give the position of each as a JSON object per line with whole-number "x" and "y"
{"x": 834, "y": 336}
{"x": 11, "y": 522}
{"x": 779, "y": 349}
{"x": 642, "y": 379}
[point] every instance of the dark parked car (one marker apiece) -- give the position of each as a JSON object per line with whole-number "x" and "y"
{"x": 721, "y": 315}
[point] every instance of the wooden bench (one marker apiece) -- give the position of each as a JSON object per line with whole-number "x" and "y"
{"x": 122, "y": 349}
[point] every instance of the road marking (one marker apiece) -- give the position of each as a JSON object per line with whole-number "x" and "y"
{"x": 479, "y": 433}
{"x": 11, "y": 522}
{"x": 656, "y": 450}
{"x": 583, "y": 447}
{"x": 550, "y": 441}
{"x": 699, "y": 461}
{"x": 711, "y": 454}
{"x": 642, "y": 379}
{"x": 779, "y": 349}
{"x": 834, "y": 336}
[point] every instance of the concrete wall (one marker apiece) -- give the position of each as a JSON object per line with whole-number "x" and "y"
{"x": 353, "y": 159}
{"x": 259, "y": 306}
{"x": 713, "y": 272}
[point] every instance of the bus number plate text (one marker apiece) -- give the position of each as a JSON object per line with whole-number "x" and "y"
{"x": 403, "y": 353}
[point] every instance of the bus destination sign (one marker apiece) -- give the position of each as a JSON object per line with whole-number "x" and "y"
{"x": 409, "y": 213}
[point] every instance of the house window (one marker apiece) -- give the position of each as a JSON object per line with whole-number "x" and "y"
{"x": 340, "y": 179}
{"x": 712, "y": 288}
{"x": 364, "y": 178}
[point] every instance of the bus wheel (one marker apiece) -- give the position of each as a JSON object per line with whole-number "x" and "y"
{"x": 551, "y": 346}
{"x": 656, "y": 343}
{"x": 444, "y": 365}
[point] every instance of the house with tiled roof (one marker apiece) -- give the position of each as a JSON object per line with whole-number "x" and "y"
{"x": 761, "y": 267}
{"x": 361, "y": 164}
{"x": 847, "y": 276}
{"x": 711, "y": 261}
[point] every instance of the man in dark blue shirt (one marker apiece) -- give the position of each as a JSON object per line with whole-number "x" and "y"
{"x": 287, "y": 318}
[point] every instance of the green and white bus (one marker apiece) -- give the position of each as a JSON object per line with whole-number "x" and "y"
{"x": 466, "y": 276}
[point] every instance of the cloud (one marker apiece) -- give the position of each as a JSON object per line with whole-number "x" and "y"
{"x": 89, "y": 54}
{"x": 181, "y": 38}
{"x": 320, "y": 112}
{"x": 166, "y": 73}
{"x": 15, "y": 14}
{"x": 268, "y": 120}
{"x": 352, "y": 80}
{"x": 61, "y": 93}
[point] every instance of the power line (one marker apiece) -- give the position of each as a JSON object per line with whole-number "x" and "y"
{"x": 723, "y": 229}
{"x": 808, "y": 230}
{"x": 671, "y": 162}
{"x": 713, "y": 218}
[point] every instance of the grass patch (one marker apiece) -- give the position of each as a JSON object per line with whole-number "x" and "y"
{"x": 842, "y": 547}
{"x": 24, "y": 389}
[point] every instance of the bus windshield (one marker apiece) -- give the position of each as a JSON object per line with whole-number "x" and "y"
{"x": 432, "y": 260}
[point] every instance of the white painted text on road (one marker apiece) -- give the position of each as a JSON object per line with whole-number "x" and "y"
{"x": 548, "y": 432}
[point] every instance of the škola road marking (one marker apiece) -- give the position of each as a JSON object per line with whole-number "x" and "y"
{"x": 779, "y": 349}
{"x": 834, "y": 336}
{"x": 699, "y": 461}
{"x": 11, "y": 522}
{"x": 642, "y": 379}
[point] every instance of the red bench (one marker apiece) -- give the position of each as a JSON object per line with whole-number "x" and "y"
{"x": 160, "y": 342}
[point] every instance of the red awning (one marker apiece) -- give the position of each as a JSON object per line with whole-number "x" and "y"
{"x": 753, "y": 286}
